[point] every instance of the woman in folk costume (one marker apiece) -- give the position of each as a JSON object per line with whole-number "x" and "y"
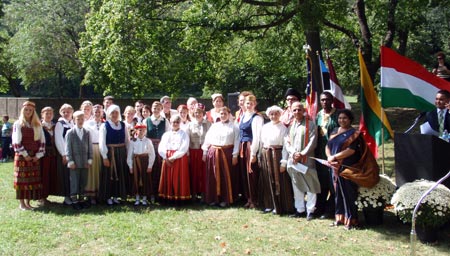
{"x": 63, "y": 125}
{"x": 241, "y": 99}
{"x": 192, "y": 105}
{"x": 129, "y": 119}
{"x": 141, "y": 156}
{"x": 28, "y": 141}
{"x": 345, "y": 147}
{"x": 196, "y": 131}
{"x": 250, "y": 135}
{"x": 157, "y": 125}
{"x": 173, "y": 148}
{"x": 220, "y": 152}
{"x": 274, "y": 187}
{"x": 113, "y": 143}
{"x": 93, "y": 181}
{"x": 48, "y": 162}
{"x": 218, "y": 102}
{"x": 86, "y": 107}
{"x": 185, "y": 120}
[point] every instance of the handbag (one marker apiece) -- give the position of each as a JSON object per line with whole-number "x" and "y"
{"x": 366, "y": 172}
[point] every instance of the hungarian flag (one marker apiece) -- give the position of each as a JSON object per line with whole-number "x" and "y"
{"x": 405, "y": 83}
{"x": 373, "y": 119}
{"x": 339, "y": 100}
{"x": 311, "y": 92}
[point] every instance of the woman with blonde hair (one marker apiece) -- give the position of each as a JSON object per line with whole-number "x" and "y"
{"x": 29, "y": 145}
{"x": 86, "y": 107}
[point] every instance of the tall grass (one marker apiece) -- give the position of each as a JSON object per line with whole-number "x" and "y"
{"x": 192, "y": 229}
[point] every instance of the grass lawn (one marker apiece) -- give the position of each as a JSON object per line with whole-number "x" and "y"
{"x": 192, "y": 229}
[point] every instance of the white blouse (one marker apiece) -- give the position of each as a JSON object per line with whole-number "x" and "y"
{"x": 139, "y": 147}
{"x": 174, "y": 140}
{"x": 222, "y": 134}
{"x": 273, "y": 134}
{"x": 60, "y": 140}
{"x": 257, "y": 125}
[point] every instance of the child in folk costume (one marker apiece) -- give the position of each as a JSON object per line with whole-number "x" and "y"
{"x": 173, "y": 148}
{"x": 79, "y": 157}
{"x": 29, "y": 144}
{"x": 113, "y": 143}
{"x": 141, "y": 156}
{"x": 63, "y": 125}
{"x": 93, "y": 181}
{"x": 185, "y": 120}
{"x": 197, "y": 131}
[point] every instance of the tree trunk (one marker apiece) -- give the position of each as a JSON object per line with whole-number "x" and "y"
{"x": 403, "y": 41}
{"x": 14, "y": 86}
{"x": 313, "y": 40}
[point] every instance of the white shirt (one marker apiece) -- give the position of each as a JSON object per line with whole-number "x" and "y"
{"x": 139, "y": 147}
{"x": 94, "y": 129}
{"x": 60, "y": 141}
{"x": 174, "y": 140}
{"x": 156, "y": 121}
{"x": 273, "y": 134}
{"x": 222, "y": 134}
{"x": 257, "y": 125}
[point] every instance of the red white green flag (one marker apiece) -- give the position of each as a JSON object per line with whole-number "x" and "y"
{"x": 373, "y": 119}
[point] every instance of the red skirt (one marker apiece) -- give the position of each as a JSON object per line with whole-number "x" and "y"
{"x": 197, "y": 168}
{"x": 27, "y": 178}
{"x": 174, "y": 183}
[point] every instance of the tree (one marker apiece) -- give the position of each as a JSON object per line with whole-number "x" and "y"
{"x": 44, "y": 42}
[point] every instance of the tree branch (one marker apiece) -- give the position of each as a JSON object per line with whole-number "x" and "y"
{"x": 340, "y": 28}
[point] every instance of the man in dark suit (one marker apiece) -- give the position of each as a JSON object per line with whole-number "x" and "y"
{"x": 439, "y": 119}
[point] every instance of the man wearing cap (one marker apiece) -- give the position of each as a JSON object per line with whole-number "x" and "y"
{"x": 291, "y": 96}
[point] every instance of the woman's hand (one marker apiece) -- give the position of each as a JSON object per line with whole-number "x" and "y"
{"x": 106, "y": 162}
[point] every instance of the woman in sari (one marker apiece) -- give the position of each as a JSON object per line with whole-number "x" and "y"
{"x": 344, "y": 149}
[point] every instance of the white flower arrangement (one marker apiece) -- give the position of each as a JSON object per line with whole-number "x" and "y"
{"x": 434, "y": 210}
{"x": 378, "y": 196}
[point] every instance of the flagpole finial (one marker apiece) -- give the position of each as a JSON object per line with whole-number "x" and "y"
{"x": 306, "y": 48}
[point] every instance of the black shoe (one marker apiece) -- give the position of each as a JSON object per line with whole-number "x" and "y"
{"x": 298, "y": 215}
{"x": 85, "y": 204}
{"x": 77, "y": 206}
{"x": 310, "y": 216}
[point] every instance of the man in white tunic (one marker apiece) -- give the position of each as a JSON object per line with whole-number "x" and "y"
{"x": 298, "y": 147}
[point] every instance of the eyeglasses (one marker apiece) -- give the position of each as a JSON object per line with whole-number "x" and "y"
{"x": 291, "y": 99}
{"x": 440, "y": 58}
{"x": 296, "y": 110}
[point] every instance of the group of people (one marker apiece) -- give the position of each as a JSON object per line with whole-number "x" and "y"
{"x": 157, "y": 153}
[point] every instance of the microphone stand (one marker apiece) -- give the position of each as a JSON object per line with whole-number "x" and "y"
{"x": 413, "y": 235}
{"x": 415, "y": 122}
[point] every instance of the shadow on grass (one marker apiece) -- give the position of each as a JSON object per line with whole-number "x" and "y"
{"x": 393, "y": 229}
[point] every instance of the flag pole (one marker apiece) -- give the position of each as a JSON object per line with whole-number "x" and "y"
{"x": 382, "y": 129}
{"x": 321, "y": 71}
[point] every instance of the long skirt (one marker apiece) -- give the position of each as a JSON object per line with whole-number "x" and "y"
{"x": 250, "y": 180}
{"x": 218, "y": 179}
{"x": 62, "y": 177}
{"x": 142, "y": 181}
{"x": 27, "y": 178}
{"x": 49, "y": 173}
{"x": 274, "y": 187}
{"x": 345, "y": 198}
{"x": 115, "y": 180}
{"x": 197, "y": 171}
{"x": 93, "y": 178}
{"x": 156, "y": 169}
{"x": 174, "y": 183}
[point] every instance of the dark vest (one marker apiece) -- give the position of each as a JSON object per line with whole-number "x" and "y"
{"x": 245, "y": 129}
{"x": 65, "y": 128}
{"x": 115, "y": 136}
{"x": 156, "y": 131}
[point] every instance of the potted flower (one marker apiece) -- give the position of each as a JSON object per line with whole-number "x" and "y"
{"x": 372, "y": 201}
{"x": 433, "y": 213}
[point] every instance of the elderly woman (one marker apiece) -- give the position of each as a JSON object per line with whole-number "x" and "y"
{"x": 197, "y": 130}
{"x": 173, "y": 148}
{"x": 29, "y": 144}
{"x": 113, "y": 142}
{"x": 344, "y": 148}
{"x": 192, "y": 105}
{"x": 220, "y": 152}
{"x": 274, "y": 187}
